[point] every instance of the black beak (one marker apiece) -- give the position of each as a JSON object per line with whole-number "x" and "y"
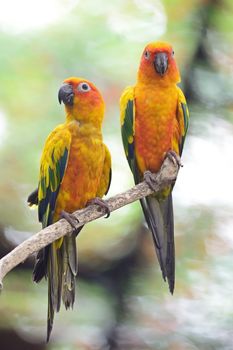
{"x": 161, "y": 63}
{"x": 66, "y": 95}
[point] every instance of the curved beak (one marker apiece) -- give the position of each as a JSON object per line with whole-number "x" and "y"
{"x": 66, "y": 95}
{"x": 161, "y": 63}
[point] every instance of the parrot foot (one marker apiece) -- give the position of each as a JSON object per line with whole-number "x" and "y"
{"x": 71, "y": 219}
{"x": 102, "y": 203}
{"x": 173, "y": 156}
{"x": 148, "y": 177}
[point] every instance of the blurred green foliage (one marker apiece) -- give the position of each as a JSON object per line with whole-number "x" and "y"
{"x": 122, "y": 301}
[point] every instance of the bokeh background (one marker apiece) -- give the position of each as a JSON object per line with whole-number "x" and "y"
{"x": 122, "y": 302}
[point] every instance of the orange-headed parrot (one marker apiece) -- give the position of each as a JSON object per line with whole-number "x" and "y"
{"x": 154, "y": 122}
{"x": 75, "y": 168}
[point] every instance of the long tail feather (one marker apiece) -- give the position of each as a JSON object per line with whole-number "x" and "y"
{"x": 40, "y": 268}
{"x": 153, "y": 228}
{"x": 168, "y": 217}
{"x": 54, "y": 285}
{"x": 159, "y": 217}
{"x": 59, "y": 264}
{"x": 50, "y": 315}
{"x": 70, "y": 269}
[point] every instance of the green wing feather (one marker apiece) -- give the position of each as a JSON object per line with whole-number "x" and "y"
{"x": 127, "y": 107}
{"x": 182, "y": 118}
{"x": 56, "y": 262}
{"x": 52, "y": 169}
{"x": 49, "y": 185}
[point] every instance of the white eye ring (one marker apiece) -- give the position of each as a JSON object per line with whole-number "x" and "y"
{"x": 173, "y": 53}
{"x": 84, "y": 87}
{"x": 147, "y": 55}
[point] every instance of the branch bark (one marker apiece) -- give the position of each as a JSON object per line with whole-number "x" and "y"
{"x": 166, "y": 176}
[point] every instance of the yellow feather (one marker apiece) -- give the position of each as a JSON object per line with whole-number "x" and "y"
{"x": 105, "y": 178}
{"x": 180, "y": 114}
{"x": 128, "y": 94}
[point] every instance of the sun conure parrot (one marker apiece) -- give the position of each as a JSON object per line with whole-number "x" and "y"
{"x": 154, "y": 122}
{"x": 75, "y": 168}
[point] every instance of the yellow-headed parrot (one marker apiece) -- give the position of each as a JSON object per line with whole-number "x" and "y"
{"x": 75, "y": 168}
{"x": 154, "y": 122}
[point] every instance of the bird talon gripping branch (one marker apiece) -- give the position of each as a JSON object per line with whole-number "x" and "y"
{"x": 148, "y": 177}
{"x": 102, "y": 204}
{"x": 71, "y": 219}
{"x": 173, "y": 156}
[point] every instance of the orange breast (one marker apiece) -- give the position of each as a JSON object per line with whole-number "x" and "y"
{"x": 155, "y": 124}
{"x": 83, "y": 173}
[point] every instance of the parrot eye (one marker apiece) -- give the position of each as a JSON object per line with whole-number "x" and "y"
{"x": 147, "y": 55}
{"x": 84, "y": 87}
{"x": 173, "y": 53}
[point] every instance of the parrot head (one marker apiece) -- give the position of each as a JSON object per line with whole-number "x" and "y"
{"x": 82, "y": 100}
{"x": 158, "y": 64}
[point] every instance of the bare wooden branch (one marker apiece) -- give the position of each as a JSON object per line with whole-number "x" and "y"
{"x": 164, "y": 177}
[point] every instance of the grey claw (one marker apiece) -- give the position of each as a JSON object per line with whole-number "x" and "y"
{"x": 70, "y": 218}
{"x": 102, "y": 203}
{"x": 174, "y": 157}
{"x": 149, "y": 179}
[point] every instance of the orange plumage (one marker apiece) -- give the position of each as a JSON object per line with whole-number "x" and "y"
{"x": 154, "y": 121}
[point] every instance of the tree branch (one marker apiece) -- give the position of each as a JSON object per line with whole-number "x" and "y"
{"x": 166, "y": 176}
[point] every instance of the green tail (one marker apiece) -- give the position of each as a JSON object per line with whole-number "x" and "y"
{"x": 60, "y": 267}
{"x": 159, "y": 217}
